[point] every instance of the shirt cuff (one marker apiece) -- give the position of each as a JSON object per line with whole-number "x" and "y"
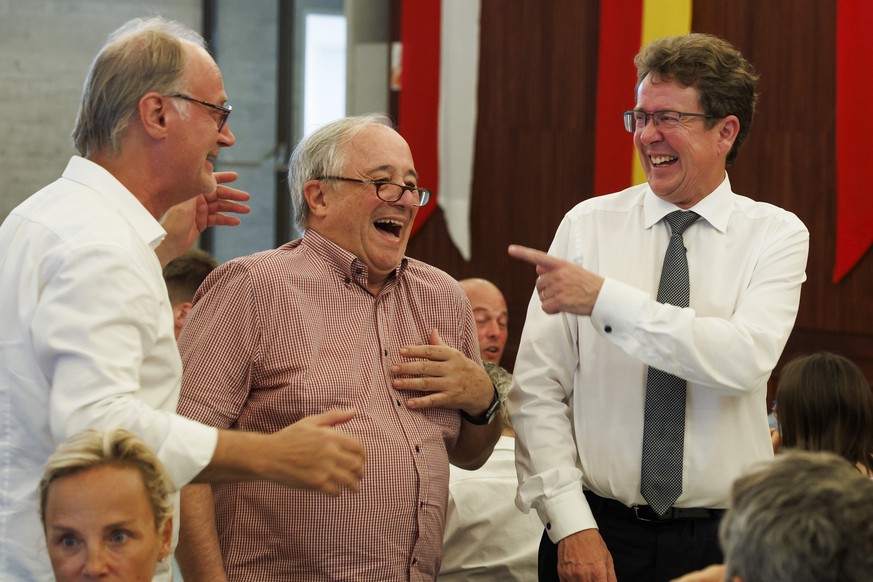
{"x": 188, "y": 450}
{"x": 566, "y": 514}
{"x": 618, "y": 306}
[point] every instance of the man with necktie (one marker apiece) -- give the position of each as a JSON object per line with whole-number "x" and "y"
{"x": 660, "y": 311}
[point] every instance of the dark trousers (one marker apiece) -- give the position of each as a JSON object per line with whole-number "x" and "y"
{"x": 644, "y": 551}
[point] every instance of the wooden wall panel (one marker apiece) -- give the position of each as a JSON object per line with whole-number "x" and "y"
{"x": 535, "y": 139}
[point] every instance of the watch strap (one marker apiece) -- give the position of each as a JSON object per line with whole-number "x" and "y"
{"x": 487, "y": 416}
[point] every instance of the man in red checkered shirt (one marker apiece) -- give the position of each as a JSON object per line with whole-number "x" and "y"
{"x": 340, "y": 318}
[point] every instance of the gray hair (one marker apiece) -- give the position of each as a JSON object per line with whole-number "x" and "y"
{"x": 502, "y": 380}
{"x": 143, "y": 55}
{"x": 805, "y": 517}
{"x": 321, "y": 154}
{"x": 117, "y": 448}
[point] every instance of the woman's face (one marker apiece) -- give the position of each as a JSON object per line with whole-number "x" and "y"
{"x": 99, "y": 523}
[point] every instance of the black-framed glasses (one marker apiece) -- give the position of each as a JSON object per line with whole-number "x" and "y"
{"x": 637, "y": 119}
{"x": 224, "y": 110}
{"x": 389, "y": 191}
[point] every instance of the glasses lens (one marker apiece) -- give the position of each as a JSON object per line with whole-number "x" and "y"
{"x": 424, "y": 196}
{"x": 629, "y": 122}
{"x": 388, "y": 192}
{"x": 393, "y": 192}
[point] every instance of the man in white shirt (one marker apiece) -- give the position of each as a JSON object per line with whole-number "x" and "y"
{"x": 595, "y": 326}
{"x": 486, "y": 537}
{"x": 87, "y": 336}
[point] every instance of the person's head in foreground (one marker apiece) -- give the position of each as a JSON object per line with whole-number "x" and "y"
{"x": 805, "y": 517}
{"x": 106, "y": 507}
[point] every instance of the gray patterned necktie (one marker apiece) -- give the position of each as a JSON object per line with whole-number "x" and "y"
{"x": 664, "y": 422}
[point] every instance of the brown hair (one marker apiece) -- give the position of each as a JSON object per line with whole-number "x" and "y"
{"x": 725, "y": 81}
{"x": 824, "y": 403}
{"x": 184, "y": 275}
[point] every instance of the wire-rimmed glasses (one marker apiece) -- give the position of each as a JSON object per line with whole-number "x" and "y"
{"x": 636, "y": 119}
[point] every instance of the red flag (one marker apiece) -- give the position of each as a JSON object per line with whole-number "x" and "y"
{"x": 418, "y": 111}
{"x": 616, "y": 76}
{"x": 854, "y": 86}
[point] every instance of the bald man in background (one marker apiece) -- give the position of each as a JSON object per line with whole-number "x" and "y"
{"x": 492, "y": 317}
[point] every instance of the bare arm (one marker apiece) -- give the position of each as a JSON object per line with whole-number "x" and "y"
{"x": 198, "y": 553}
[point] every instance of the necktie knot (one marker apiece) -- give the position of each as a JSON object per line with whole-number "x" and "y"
{"x": 680, "y": 220}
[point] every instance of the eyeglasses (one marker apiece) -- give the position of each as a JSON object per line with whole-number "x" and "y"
{"x": 636, "y": 119}
{"x": 389, "y": 191}
{"x": 223, "y": 109}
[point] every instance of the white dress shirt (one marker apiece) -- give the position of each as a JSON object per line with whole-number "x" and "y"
{"x": 579, "y": 382}
{"x": 487, "y": 539}
{"x": 86, "y": 341}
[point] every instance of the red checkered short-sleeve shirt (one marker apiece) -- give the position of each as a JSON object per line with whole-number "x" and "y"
{"x": 292, "y": 332}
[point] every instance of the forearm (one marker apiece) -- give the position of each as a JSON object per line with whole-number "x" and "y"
{"x": 237, "y": 458}
{"x": 309, "y": 454}
{"x": 198, "y": 553}
{"x": 475, "y": 443}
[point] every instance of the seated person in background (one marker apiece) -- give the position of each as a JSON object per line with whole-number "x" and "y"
{"x": 804, "y": 517}
{"x": 492, "y": 318}
{"x": 183, "y": 275}
{"x": 106, "y": 507}
{"x": 487, "y": 537}
{"x": 824, "y": 403}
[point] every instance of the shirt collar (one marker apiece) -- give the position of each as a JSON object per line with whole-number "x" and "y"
{"x": 105, "y": 185}
{"x": 343, "y": 262}
{"x": 714, "y": 207}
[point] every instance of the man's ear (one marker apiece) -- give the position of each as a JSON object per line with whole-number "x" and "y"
{"x": 314, "y": 194}
{"x": 727, "y": 133}
{"x": 152, "y": 111}
{"x": 180, "y": 312}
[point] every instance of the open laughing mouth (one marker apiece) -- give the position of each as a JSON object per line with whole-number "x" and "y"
{"x": 661, "y": 161}
{"x": 392, "y": 227}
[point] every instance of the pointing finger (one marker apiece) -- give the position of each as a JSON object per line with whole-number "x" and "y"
{"x": 543, "y": 261}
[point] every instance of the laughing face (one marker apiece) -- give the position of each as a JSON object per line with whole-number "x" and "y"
{"x": 685, "y": 163}
{"x": 352, "y": 216}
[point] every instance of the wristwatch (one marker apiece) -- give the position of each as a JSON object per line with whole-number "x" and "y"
{"x": 487, "y": 416}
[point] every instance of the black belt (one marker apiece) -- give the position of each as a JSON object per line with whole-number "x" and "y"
{"x": 646, "y": 513}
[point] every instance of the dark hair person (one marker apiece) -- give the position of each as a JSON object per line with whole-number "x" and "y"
{"x": 824, "y": 403}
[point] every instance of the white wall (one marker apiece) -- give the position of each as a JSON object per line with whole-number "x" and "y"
{"x": 46, "y": 47}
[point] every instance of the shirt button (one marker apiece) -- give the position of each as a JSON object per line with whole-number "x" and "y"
{"x": 417, "y": 449}
{"x": 414, "y": 561}
{"x": 385, "y": 352}
{"x": 608, "y": 329}
{"x": 348, "y": 280}
{"x": 549, "y": 525}
{"x": 398, "y": 402}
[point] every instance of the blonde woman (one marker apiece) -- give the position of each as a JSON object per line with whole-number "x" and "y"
{"x": 106, "y": 507}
